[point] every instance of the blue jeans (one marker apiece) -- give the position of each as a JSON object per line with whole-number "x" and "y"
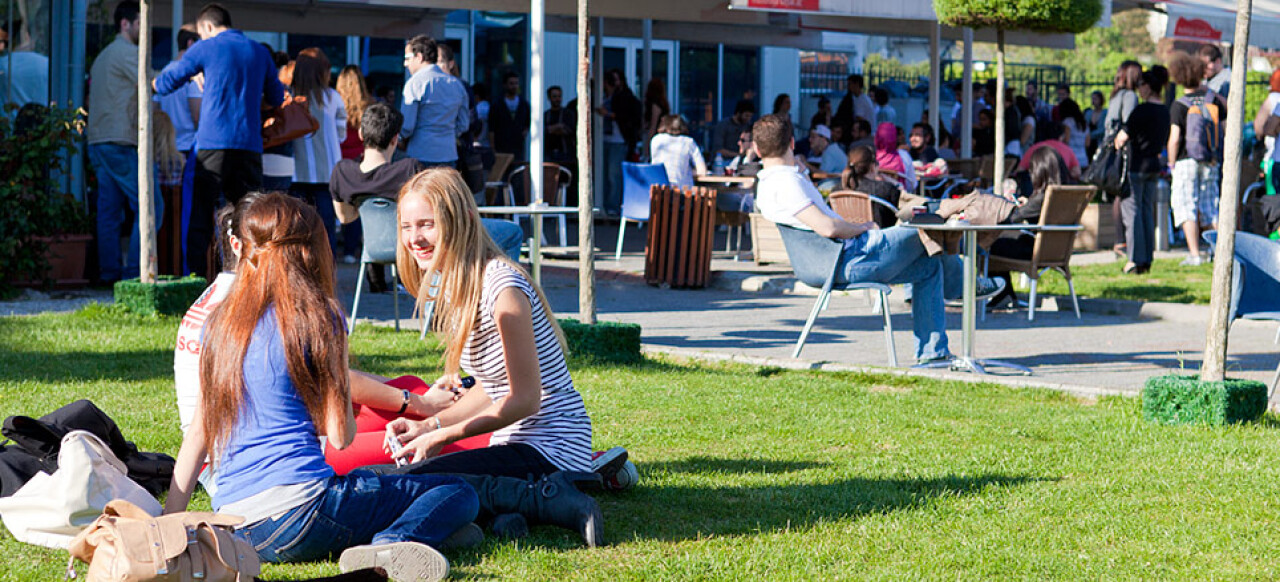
{"x": 116, "y": 167}
{"x": 896, "y": 255}
{"x": 614, "y": 155}
{"x": 507, "y": 234}
{"x": 1139, "y": 212}
{"x": 363, "y": 508}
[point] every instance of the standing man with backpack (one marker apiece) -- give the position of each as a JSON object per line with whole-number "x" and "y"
{"x": 1195, "y": 147}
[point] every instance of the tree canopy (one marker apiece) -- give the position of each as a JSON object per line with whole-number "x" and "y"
{"x": 1037, "y": 15}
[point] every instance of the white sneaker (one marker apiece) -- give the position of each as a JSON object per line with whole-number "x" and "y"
{"x": 1192, "y": 261}
{"x": 350, "y": 259}
{"x": 403, "y": 561}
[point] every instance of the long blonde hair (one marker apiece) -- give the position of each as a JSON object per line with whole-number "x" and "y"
{"x": 462, "y": 253}
{"x": 354, "y": 93}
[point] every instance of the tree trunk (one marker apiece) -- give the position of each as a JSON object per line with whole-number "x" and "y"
{"x": 586, "y": 204}
{"x": 146, "y": 166}
{"x": 998, "y": 175}
{"x": 1215, "y": 348}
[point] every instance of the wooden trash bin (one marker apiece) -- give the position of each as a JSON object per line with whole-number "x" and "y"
{"x": 681, "y": 228}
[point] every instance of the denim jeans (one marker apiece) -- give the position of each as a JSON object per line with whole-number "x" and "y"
{"x": 1139, "y": 211}
{"x": 896, "y": 255}
{"x": 614, "y": 155}
{"x": 116, "y": 167}
{"x": 507, "y": 234}
{"x": 318, "y": 196}
{"x": 362, "y": 508}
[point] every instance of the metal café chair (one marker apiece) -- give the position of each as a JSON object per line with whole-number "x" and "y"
{"x": 556, "y": 180}
{"x": 814, "y": 258}
{"x": 381, "y": 235}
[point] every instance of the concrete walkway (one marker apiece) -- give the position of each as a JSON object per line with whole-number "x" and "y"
{"x": 754, "y": 314}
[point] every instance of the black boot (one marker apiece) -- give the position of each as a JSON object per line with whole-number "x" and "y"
{"x": 550, "y": 500}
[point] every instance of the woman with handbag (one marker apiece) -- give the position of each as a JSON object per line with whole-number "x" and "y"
{"x": 1124, "y": 98}
{"x": 273, "y": 372}
{"x": 316, "y": 154}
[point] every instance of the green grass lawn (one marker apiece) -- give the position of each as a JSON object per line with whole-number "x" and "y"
{"x": 1166, "y": 282}
{"x": 756, "y": 473}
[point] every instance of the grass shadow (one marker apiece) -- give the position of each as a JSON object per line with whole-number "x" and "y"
{"x": 694, "y": 512}
{"x": 733, "y": 466}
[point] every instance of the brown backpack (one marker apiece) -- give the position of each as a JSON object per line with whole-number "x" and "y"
{"x": 127, "y": 544}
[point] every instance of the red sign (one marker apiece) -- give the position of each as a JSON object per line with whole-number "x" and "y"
{"x": 1196, "y": 28}
{"x": 802, "y": 5}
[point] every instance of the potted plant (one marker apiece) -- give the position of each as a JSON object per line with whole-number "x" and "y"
{"x": 40, "y": 225}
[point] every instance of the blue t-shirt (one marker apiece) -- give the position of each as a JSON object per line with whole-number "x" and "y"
{"x": 274, "y": 442}
{"x": 238, "y": 75}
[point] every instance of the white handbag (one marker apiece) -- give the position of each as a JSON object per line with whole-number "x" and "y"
{"x": 49, "y": 510}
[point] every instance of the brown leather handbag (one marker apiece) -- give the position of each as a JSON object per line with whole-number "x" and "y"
{"x": 290, "y": 121}
{"x": 126, "y": 544}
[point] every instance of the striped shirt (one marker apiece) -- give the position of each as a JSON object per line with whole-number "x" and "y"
{"x": 561, "y": 430}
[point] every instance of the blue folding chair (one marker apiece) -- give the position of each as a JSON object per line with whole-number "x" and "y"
{"x": 1255, "y": 281}
{"x": 381, "y": 235}
{"x": 636, "y": 180}
{"x": 814, "y": 259}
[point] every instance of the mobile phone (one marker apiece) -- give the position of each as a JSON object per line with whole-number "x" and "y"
{"x": 394, "y": 444}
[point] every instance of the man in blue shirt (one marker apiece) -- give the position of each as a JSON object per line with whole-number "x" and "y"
{"x": 434, "y": 106}
{"x": 238, "y": 74}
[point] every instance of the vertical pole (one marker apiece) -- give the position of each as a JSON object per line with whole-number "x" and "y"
{"x": 597, "y": 122}
{"x": 966, "y": 108}
{"x": 353, "y": 50}
{"x": 586, "y": 221}
{"x": 146, "y": 168}
{"x": 935, "y": 76}
{"x": 79, "y": 16}
{"x": 537, "y": 51}
{"x": 998, "y": 175}
{"x": 1215, "y": 349}
{"x": 176, "y": 23}
{"x": 646, "y": 56}
{"x": 720, "y": 83}
{"x": 8, "y": 56}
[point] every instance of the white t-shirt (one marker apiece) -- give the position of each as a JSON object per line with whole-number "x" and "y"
{"x": 186, "y": 352}
{"x": 676, "y": 153}
{"x": 782, "y": 192}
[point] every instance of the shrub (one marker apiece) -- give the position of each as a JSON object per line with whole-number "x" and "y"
{"x": 34, "y": 146}
{"x": 1175, "y": 399}
{"x": 167, "y": 296}
{"x": 604, "y": 341}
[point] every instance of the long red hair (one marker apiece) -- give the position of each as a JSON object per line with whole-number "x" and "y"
{"x": 285, "y": 263}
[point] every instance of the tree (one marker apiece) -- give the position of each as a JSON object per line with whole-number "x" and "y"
{"x": 1215, "y": 349}
{"x": 1036, "y": 15}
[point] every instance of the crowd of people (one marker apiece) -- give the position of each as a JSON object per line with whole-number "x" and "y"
{"x": 402, "y": 468}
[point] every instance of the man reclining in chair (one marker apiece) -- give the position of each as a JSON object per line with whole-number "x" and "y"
{"x": 890, "y": 256}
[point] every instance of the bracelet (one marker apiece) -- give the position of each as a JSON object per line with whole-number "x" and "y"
{"x": 437, "y": 419}
{"x": 405, "y": 406}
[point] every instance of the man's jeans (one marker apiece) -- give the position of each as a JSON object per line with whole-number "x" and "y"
{"x": 507, "y": 234}
{"x": 896, "y": 255}
{"x": 116, "y": 167}
{"x": 614, "y": 155}
{"x": 362, "y": 508}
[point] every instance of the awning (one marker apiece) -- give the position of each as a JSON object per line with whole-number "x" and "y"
{"x": 1215, "y": 21}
